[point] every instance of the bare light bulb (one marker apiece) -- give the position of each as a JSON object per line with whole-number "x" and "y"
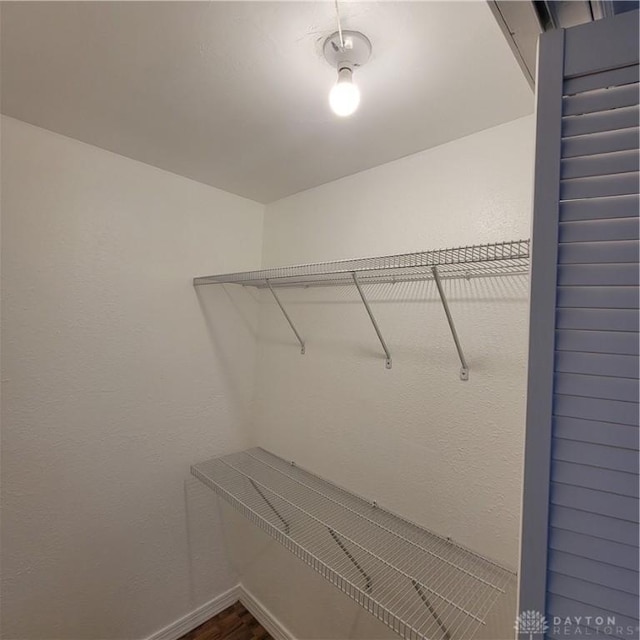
{"x": 344, "y": 97}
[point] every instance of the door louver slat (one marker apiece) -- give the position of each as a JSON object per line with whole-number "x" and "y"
{"x": 603, "y": 163}
{"x": 597, "y": 364}
{"x": 598, "y": 230}
{"x": 594, "y": 432}
{"x": 602, "y": 252}
{"x": 619, "y": 297}
{"x": 624, "y": 274}
{"x": 593, "y": 547}
{"x": 615, "y": 601}
{"x": 600, "y": 209}
{"x": 599, "y": 186}
{"x": 614, "y": 97}
{"x": 603, "y": 80}
{"x": 595, "y": 143}
{"x": 595, "y": 409}
{"x": 602, "y": 121}
{"x": 593, "y": 524}
{"x": 596, "y": 387}
{"x": 609, "y": 480}
{"x": 605, "y": 504}
{"x": 598, "y": 319}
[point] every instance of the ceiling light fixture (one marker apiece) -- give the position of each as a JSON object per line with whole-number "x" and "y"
{"x": 345, "y": 51}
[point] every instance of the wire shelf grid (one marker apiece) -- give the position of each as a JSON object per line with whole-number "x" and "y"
{"x": 419, "y": 584}
{"x": 494, "y": 259}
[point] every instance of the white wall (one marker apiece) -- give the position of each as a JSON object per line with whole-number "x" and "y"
{"x": 442, "y": 452}
{"x": 117, "y": 376}
{"x": 305, "y": 604}
{"x": 115, "y": 380}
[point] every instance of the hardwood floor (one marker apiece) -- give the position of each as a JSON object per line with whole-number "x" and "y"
{"x": 234, "y": 623}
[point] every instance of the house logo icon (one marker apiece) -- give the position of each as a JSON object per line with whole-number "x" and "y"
{"x": 532, "y": 623}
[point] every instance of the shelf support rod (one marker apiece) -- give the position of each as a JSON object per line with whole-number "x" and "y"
{"x": 373, "y": 320}
{"x": 464, "y": 370}
{"x": 356, "y": 564}
{"x": 287, "y": 528}
{"x": 286, "y": 315}
{"x": 418, "y": 587}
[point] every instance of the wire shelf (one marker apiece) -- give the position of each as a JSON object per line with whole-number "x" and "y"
{"x": 419, "y": 584}
{"x": 496, "y": 259}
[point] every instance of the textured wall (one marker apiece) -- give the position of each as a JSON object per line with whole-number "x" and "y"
{"x": 115, "y": 380}
{"x": 308, "y": 606}
{"x": 445, "y": 453}
{"x": 117, "y": 376}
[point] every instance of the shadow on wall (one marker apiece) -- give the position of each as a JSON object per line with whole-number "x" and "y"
{"x": 205, "y": 551}
{"x": 307, "y": 604}
{"x": 304, "y": 602}
{"x": 403, "y": 310}
{"x": 231, "y": 318}
{"x": 502, "y": 289}
{"x": 389, "y": 434}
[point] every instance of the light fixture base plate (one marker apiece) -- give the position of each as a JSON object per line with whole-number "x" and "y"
{"x": 355, "y": 53}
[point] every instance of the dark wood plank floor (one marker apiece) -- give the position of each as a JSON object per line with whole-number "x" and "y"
{"x": 234, "y": 623}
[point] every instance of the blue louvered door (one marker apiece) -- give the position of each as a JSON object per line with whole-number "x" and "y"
{"x": 580, "y": 512}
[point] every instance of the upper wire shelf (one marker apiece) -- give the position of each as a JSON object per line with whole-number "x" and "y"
{"x": 494, "y": 259}
{"x": 419, "y": 584}
{"x": 482, "y": 260}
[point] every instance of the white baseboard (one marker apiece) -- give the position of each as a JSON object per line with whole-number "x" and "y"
{"x": 189, "y": 622}
{"x": 270, "y": 623}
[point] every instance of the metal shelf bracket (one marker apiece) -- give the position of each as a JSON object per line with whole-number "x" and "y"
{"x": 464, "y": 370}
{"x": 373, "y": 321}
{"x": 286, "y": 315}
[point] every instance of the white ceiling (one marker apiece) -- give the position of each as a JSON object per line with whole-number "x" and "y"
{"x": 234, "y": 94}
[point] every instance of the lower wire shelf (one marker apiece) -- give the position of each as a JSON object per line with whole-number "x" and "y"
{"x": 419, "y": 584}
